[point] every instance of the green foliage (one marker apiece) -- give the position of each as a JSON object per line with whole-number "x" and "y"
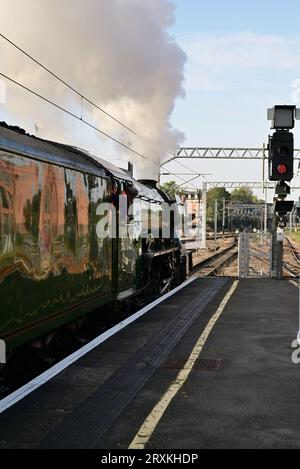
{"x": 296, "y": 236}
{"x": 218, "y": 193}
{"x": 171, "y": 188}
{"x": 243, "y": 195}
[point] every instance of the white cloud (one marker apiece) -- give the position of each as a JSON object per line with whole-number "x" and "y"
{"x": 200, "y": 81}
{"x": 2, "y": 92}
{"x": 218, "y": 62}
{"x": 243, "y": 51}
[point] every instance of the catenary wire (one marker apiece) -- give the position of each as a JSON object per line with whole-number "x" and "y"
{"x": 71, "y": 114}
{"x": 65, "y": 83}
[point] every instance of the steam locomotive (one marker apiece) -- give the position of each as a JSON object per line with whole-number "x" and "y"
{"x": 54, "y": 268}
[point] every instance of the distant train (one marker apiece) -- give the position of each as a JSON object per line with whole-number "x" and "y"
{"x": 54, "y": 268}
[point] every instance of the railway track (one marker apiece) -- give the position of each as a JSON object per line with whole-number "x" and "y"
{"x": 291, "y": 258}
{"x": 295, "y": 250}
{"x": 210, "y": 237}
{"x": 286, "y": 267}
{"x": 213, "y": 265}
{"x": 292, "y": 262}
{"x": 289, "y": 271}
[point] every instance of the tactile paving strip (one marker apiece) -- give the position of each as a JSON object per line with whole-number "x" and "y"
{"x": 202, "y": 364}
{"x": 91, "y": 420}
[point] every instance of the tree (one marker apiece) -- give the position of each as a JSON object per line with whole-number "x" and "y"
{"x": 243, "y": 195}
{"x": 218, "y": 193}
{"x": 171, "y": 188}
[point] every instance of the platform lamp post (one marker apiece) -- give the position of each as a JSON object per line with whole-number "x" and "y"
{"x": 216, "y": 222}
{"x": 265, "y": 186}
{"x": 198, "y": 195}
{"x": 204, "y": 214}
{"x": 291, "y": 223}
{"x": 295, "y": 217}
{"x": 223, "y": 218}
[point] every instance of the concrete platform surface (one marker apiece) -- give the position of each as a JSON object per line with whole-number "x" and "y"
{"x": 242, "y": 393}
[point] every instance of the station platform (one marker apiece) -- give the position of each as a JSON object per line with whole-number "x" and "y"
{"x": 241, "y": 392}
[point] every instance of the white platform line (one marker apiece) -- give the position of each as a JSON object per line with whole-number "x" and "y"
{"x": 37, "y": 382}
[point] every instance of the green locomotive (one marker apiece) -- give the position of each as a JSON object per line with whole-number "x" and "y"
{"x": 54, "y": 268}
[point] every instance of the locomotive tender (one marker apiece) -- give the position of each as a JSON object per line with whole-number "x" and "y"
{"x": 54, "y": 268}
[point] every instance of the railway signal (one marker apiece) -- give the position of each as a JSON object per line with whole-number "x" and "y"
{"x": 281, "y": 169}
{"x": 281, "y": 143}
{"x": 281, "y": 156}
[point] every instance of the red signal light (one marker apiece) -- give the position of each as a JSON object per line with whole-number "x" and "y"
{"x": 282, "y": 169}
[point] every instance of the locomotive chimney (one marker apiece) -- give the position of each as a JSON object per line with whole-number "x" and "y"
{"x": 149, "y": 183}
{"x": 130, "y": 169}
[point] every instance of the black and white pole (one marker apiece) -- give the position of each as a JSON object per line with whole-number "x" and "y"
{"x": 216, "y": 222}
{"x": 204, "y": 212}
{"x": 224, "y": 213}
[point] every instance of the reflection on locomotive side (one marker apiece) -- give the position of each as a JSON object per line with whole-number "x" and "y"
{"x": 71, "y": 221}
{"x": 50, "y": 227}
{"x": 48, "y": 242}
{"x": 6, "y": 209}
{"x": 82, "y": 222}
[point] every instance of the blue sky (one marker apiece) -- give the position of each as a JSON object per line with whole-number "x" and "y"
{"x": 263, "y": 16}
{"x": 243, "y": 57}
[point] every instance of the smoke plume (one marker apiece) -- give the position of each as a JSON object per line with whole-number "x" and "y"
{"x": 119, "y": 53}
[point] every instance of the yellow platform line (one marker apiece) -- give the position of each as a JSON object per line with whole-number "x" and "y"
{"x": 146, "y": 430}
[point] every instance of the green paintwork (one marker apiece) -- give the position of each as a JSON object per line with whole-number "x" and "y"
{"x": 53, "y": 267}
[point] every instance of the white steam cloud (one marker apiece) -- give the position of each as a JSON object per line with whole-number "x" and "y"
{"x": 117, "y": 52}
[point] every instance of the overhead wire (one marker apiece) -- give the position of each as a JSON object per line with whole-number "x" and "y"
{"x": 185, "y": 181}
{"x": 81, "y": 95}
{"x": 57, "y": 106}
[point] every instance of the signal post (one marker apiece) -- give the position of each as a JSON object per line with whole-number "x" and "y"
{"x": 281, "y": 169}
